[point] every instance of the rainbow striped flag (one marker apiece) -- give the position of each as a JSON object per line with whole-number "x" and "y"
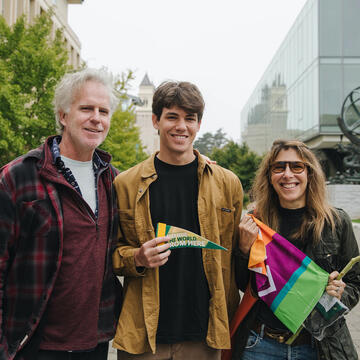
{"x": 287, "y": 280}
{"x": 181, "y": 238}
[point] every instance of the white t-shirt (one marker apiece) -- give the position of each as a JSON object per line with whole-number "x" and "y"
{"x": 83, "y": 172}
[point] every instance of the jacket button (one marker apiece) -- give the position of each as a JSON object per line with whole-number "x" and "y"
{"x": 140, "y": 191}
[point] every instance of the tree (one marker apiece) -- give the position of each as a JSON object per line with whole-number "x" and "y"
{"x": 123, "y": 141}
{"x": 32, "y": 60}
{"x": 240, "y": 160}
{"x": 206, "y": 143}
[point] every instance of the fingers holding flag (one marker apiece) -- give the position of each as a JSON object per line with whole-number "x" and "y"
{"x": 335, "y": 287}
{"x": 248, "y": 231}
{"x": 153, "y": 253}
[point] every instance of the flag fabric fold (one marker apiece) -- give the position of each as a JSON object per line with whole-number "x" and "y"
{"x": 287, "y": 280}
{"x": 291, "y": 284}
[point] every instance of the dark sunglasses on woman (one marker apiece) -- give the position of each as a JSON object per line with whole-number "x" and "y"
{"x": 297, "y": 167}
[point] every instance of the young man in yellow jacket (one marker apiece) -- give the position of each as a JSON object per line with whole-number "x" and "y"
{"x": 177, "y": 303}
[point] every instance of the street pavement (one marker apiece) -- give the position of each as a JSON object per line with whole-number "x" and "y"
{"x": 352, "y": 318}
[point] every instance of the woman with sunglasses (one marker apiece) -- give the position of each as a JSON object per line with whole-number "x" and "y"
{"x": 289, "y": 196}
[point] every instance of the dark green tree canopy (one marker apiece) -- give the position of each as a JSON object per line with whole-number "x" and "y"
{"x": 123, "y": 141}
{"x": 32, "y": 60}
{"x": 240, "y": 160}
{"x": 206, "y": 143}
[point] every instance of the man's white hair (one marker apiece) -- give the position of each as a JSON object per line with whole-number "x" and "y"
{"x": 71, "y": 83}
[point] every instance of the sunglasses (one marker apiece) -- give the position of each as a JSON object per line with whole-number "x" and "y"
{"x": 278, "y": 167}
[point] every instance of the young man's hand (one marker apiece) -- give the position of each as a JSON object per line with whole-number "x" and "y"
{"x": 153, "y": 253}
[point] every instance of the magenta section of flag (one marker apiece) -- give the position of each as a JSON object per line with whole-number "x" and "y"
{"x": 283, "y": 259}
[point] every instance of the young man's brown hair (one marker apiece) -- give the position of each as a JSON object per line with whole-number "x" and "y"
{"x": 181, "y": 94}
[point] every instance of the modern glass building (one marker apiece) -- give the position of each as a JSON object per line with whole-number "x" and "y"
{"x": 302, "y": 90}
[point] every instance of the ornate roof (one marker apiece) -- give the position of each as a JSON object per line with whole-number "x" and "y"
{"x": 146, "y": 81}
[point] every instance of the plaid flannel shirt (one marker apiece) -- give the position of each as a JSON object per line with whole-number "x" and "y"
{"x": 31, "y": 233}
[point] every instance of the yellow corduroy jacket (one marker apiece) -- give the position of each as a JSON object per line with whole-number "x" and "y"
{"x": 219, "y": 209}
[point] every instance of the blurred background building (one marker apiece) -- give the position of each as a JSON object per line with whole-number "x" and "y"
{"x": 302, "y": 90}
{"x": 148, "y": 135}
{"x": 12, "y": 9}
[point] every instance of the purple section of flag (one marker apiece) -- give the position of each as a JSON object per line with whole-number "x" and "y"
{"x": 284, "y": 259}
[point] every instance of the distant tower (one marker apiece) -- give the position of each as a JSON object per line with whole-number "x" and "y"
{"x": 148, "y": 135}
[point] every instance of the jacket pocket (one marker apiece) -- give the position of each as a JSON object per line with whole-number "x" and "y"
{"x": 339, "y": 345}
{"x": 127, "y": 225}
{"x": 329, "y": 261}
{"x": 37, "y": 221}
{"x": 225, "y": 217}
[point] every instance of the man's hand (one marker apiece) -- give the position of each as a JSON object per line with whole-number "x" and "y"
{"x": 248, "y": 231}
{"x": 335, "y": 287}
{"x": 151, "y": 254}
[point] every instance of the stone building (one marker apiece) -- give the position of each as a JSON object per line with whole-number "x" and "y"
{"x": 301, "y": 91}
{"x": 12, "y": 9}
{"x": 148, "y": 135}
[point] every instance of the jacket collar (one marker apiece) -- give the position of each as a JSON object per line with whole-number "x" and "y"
{"x": 203, "y": 165}
{"x": 45, "y": 156}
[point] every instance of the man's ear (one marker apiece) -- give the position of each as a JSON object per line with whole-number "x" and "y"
{"x": 199, "y": 124}
{"x": 62, "y": 116}
{"x": 155, "y": 121}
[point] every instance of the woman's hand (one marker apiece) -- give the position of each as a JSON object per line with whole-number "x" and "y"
{"x": 208, "y": 160}
{"x": 248, "y": 231}
{"x": 335, "y": 287}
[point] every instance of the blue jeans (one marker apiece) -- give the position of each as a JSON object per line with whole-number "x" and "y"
{"x": 259, "y": 348}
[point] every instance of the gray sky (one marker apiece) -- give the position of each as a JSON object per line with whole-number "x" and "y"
{"x": 221, "y": 46}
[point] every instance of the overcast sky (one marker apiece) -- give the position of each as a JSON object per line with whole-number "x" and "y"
{"x": 221, "y": 46}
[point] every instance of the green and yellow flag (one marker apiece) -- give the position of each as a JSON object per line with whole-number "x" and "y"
{"x": 181, "y": 238}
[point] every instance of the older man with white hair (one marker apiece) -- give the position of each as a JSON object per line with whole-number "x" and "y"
{"x": 58, "y": 226}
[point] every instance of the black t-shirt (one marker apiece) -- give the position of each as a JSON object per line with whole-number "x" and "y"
{"x": 289, "y": 219}
{"x": 184, "y": 291}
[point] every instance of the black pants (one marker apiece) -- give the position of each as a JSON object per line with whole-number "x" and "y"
{"x": 99, "y": 353}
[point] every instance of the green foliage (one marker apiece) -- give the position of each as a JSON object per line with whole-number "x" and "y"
{"x": 240, "y": 160}
{"x": 32, "y": 60}
{"x": 123, "y": 141}
{"x": 206, "y": 143}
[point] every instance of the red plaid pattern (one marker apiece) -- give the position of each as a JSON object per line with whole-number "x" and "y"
{"x": 31, "y": 246}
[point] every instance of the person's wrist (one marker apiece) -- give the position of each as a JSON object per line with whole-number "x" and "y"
{"x": 245, "y": 250}
{"x": 136, "y": 259}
